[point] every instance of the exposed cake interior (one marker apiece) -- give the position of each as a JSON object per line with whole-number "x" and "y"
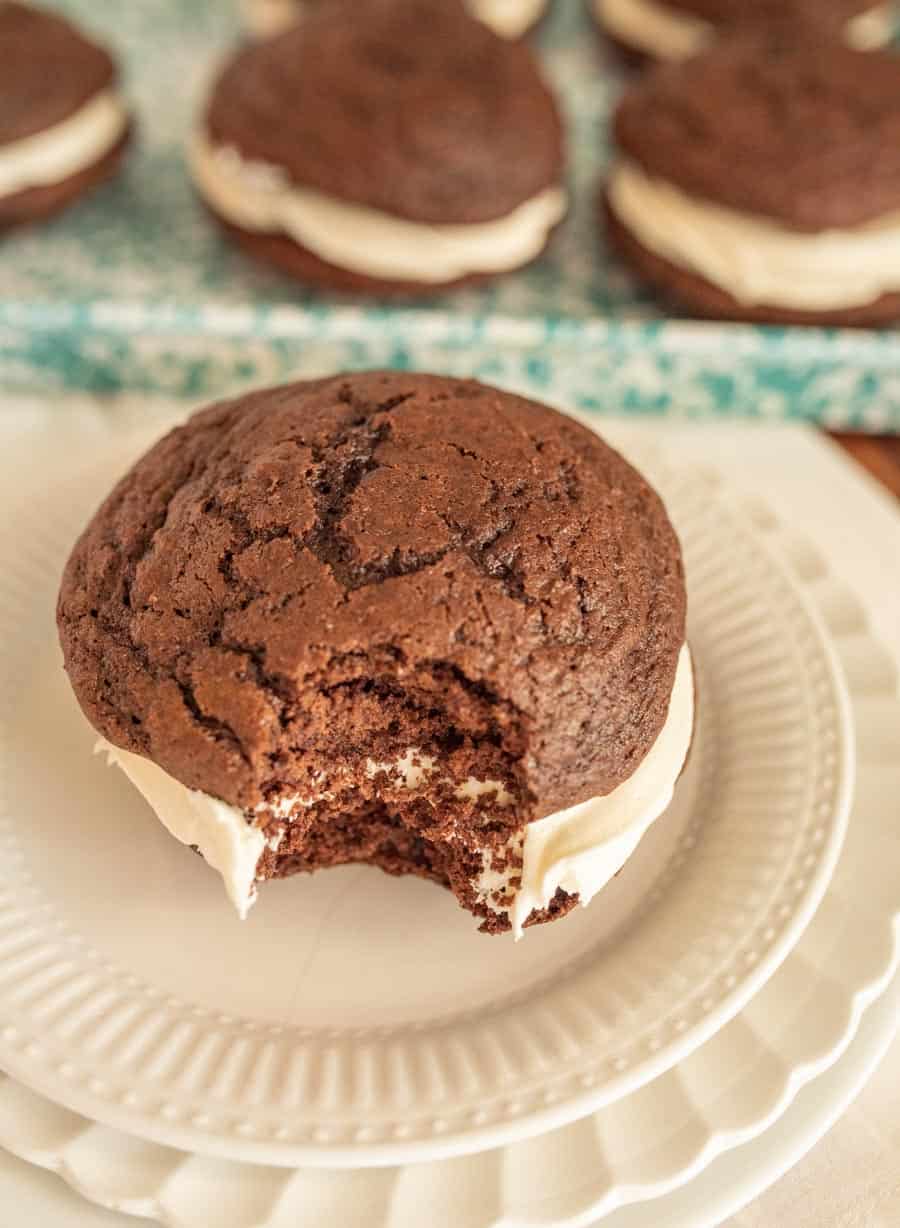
{"x": 416, "y": 814}
{"x": 509, "y": 18}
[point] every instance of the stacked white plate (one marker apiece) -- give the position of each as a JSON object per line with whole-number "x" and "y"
{"x": 355, "y": 1054}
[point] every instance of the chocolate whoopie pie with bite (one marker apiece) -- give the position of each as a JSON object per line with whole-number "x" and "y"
{"x": 760, "y": 181}
{"x": 665, "y": 30}
{"x": 63, "y": 122}
{"x": 400, "y": 147}
{"x": 402, "y": 620}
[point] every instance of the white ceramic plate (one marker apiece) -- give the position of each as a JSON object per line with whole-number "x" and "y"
{"x": 642, "y": 1147}
{"x": 360, "y": 1020}
{"x": 735, "y": 1179}
{"x": 33, "y": 1196}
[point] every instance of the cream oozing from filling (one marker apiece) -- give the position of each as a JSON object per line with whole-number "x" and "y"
{"x": 65, "y": 149}
{"x": 579, "y": 849}
{"x": 508, "y": 18}
{"x": 258, "y": 197}
{"x": 755, "y": 260}
{"x": 266, "y": 18}
{"x": 654, "y": 28}
{"x": 228, "y": 841}
{"x": 665, "y": 33}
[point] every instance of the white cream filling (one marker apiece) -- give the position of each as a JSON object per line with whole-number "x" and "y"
{"x": 582, "y": 848}
{"x": 579, "y": 849}
{"x": 872, "y": 29}
{"x": 508, "y": 18}
{"x": 473, "y": 789}
{"x": 654, "y": 28}
{"x": 753, "y": 259}
{"x": 258, "y": 197}
{"x": 266, "y": 18}
{"x": 415, "y": 769}
{"x": 665, "y": 33}
{"x": 221, "y": 832}
{"x": 66, "y": 149}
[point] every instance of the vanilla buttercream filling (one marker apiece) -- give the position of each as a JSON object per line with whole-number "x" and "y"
{"x": 665, "y": 33}
{"x": 65, "y": 149}
{"x": 222, "y": 833}
{"x": 579, "y": 849}
{"x": 508, "y": 18}
{"x": 755, "y": 260}
{"x": 415, "y": 769}
{"x": 872, "y": 29}
{"x": 266, "y": 18}
{"x": 259, "y": 197}
{"x": 654, "y": 28}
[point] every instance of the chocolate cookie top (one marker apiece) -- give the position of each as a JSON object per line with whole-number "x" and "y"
{"x": 291, "y": 568}
{"x": 821, "y": 14}
{"x": 411, "y": 107}
{"x": 47, "y": 71}
{"x": 808, "y": 135}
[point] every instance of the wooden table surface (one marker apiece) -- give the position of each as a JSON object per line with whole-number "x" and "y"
{"x": 879, "y": 454}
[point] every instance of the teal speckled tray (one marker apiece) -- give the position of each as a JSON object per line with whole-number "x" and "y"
{"x": 134, "y": 289}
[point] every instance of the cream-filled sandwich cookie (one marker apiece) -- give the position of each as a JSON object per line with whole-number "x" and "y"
{"x": 402, "y": 620}
{"x": 761, "y": 181}
{"x": 404, "y": 151}
{"x": 63, "y": 120}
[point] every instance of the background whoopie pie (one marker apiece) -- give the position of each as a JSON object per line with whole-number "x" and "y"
{"x": 760, "y": 181}
{"x": 397, "y": 619}
{"x": 395, "y": 147}
{"x": 63, "y": 121}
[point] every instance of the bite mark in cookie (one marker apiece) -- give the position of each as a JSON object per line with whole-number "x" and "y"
{"x": 387, "y": 618}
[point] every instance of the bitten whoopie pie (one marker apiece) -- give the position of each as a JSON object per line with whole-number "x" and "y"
{"x": 508, "y": 18}
{"x": 63, "y": 121}
{"x": 403, "y": 620}
{"x": 761, "y": 181}
{"x": 394, "y": 147}
{"x": 677, "y": 29}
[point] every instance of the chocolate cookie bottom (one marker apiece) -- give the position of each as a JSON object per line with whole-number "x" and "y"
{"x": 36, "y": 204}
{"x": 703, "y": 298}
